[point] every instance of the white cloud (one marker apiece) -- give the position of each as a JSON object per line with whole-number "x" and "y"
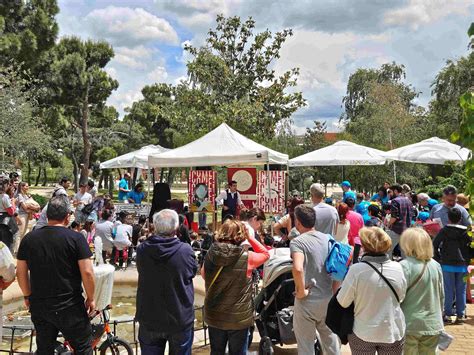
{"x": 124, "y": 99}
{"x": 112, "y": 72}
{"x": 421, "y": 12}
{"x": 198, "y": 15}
{"x": 127, "y": 26}
{"x": 158, "y": 75}
{"x": 133, "y": 57}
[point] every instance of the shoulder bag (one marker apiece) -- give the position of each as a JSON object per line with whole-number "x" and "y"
{"x": 419, "y": 277}
{"x": 384, "y": 278}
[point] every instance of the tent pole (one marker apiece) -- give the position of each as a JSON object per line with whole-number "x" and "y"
{"x": 149, "y": 184}
{"x": 269, "y": 197}
{"x": 394, "y": 172}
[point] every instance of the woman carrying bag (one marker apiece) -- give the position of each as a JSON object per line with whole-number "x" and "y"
{"x": 227, "y": 271}
{"x": 424, "y": 298}
{"x": 375, "y": 286}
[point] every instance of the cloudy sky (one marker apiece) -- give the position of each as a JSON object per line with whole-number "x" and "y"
{"x": 332, "y": 38}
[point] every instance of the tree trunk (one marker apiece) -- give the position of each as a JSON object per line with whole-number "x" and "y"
{"x": 111, "y": 186}
{"x": 28, "y": 175}
{"x": 38, "y": 176}
{"x": 86, "y": 153}
{"x": 45, "y": 176}
{"x": 101, "y": 179}
{"x": 75, "y": 170}
{"x": 134, "y": 179}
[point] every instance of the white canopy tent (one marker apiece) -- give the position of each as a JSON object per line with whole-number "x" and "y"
{"x": 135, "y": 159}
{"x": 430, "y": 151}
{"x": 221, "y": 147}
{"x": 340, "y": 153}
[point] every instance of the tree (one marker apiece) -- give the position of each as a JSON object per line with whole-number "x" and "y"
{"x": 361, "y": 85}
{"x": 233, "y": 78}
{"x": 21, "y": 135}
{"x": 455, "y": 79}
{"x": 28, "y": 30}
{"x": 79, "y": 84}
{"x": 466, "y": 132}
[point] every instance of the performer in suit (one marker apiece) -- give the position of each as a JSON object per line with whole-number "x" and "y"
{"x": 229, "y": 199}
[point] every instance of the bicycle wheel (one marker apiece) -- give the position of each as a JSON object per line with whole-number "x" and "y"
{"x": 116, "y": 347}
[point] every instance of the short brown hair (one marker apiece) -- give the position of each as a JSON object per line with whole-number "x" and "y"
{"x": 375, "y": 240}
{"x": 305, "y": 215}
{"x": 232, "y": 231}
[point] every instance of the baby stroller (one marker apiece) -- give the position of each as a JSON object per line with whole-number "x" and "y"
{"x": 274, "y": 304}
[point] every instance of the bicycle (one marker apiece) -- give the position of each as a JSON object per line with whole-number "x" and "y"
{"x": 111, "y": 345}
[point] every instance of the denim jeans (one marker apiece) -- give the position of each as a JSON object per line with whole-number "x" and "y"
{"x": 237, "y": 339}
{"x": 454, "y": 284}
{"x": 202, "y": 220}
{"x": 72, "y": 322}
{"x": 154, "y": 343}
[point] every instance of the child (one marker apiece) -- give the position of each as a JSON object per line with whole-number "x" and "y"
{"x": 375, "y": 217}
{"x": 452, "y": 250}
{"x": 123, "y": 236}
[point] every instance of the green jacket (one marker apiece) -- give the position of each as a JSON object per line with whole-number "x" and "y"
{"x": 229, "y": 302}
{"x": 423, "y": 303}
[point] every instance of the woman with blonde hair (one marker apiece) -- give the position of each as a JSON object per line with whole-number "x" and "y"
{"x": 227, "y": 271}
{"x": 376, "y": 286}
{"x": 424, "y": 298}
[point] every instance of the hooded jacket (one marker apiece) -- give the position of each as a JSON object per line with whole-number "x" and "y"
{"x": 229, "y": 302}
{"x": 452, "y": 246}
{"x": 165, "y": 293}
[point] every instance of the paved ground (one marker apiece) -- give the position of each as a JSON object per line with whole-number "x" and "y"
{"x": 463, "y": 343}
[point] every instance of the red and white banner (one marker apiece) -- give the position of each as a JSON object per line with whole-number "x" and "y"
{"x": 246, "y": 184}
{"x": 202, "y": 190}
{"x": 277, "y": 190}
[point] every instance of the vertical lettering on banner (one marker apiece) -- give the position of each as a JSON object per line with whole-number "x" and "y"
{"x": 277, "y": 187}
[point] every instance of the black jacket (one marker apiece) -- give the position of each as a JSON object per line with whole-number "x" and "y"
{"x": 339, "y": 319}
{"x": 452, "y": 246}
{"x": 165, "y": 294}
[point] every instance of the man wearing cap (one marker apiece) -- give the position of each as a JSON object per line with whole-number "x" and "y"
{"x": 326, "y": 216}
{"x": 230, "y": 200}
{"x": 347, "y": 191}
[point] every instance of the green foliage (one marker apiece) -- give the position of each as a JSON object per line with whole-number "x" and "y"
{"x": 40, "y": 199}
{"x": 234, "y": 72}
{"x": 456, "y": 78}
{"x": 21, "y": 135}
{"x": 28, "y": 29}
{"x": 79, "y": 84}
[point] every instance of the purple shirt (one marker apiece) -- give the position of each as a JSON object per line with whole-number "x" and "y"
{"x": 401, "y": 209}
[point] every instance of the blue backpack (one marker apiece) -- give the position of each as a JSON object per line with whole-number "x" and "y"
{"x": 339, "y": 259}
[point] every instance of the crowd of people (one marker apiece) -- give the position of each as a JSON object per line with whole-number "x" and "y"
{"x": 404, "y": 279}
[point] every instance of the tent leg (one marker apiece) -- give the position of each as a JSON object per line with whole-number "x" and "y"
{"x": 269, "y": 197}
{"x": 394, "y": 172}
{"x": 149, "y": 184}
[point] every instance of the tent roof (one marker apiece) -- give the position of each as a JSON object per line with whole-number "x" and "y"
{"x": 340, "y": 153}
{"x": 135, "y": 159}
{"x": 221, "y": 147}
{"x": 430, "y": 151}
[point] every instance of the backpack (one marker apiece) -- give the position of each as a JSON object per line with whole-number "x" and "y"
{"x": 87, "y": 209}
{"x": 339, "y": 259}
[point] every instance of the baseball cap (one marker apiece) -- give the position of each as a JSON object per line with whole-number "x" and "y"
{"x": 346, "y": 183}
{"x": 423, "y": 216}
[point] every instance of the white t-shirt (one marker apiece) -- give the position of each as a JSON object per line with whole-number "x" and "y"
{"x": 83, "y": 199}
{"x": 7, "y": 272}
{"x": 5, "y": 203}
{"x": 378, "y": 316}
{"x": 123, "y": 235}
{"x": 104, "y": 230}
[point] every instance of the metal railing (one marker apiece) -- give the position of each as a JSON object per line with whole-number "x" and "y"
{"x": 115, "y": 325}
